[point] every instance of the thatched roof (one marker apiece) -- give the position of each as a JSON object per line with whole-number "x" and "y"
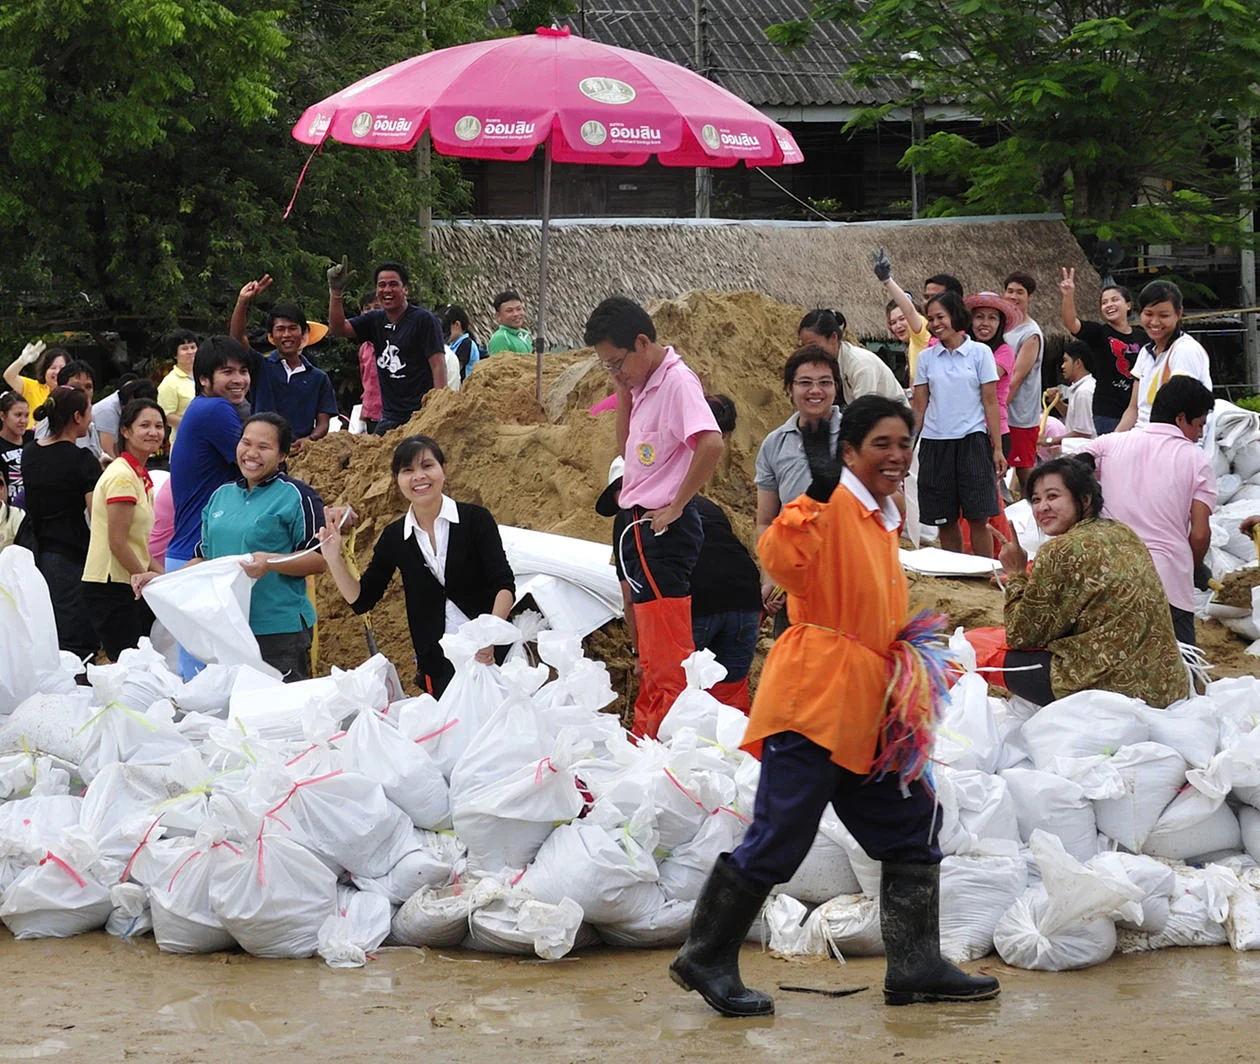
{"x": 810, "y": 265}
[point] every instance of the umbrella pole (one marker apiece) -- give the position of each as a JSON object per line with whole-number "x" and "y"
{"x": 540, "y": 343}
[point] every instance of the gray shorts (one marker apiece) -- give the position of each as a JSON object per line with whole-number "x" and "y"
{"x": 289, "y": 653}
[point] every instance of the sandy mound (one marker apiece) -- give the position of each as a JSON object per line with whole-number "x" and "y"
{"x": 543, "y": 466}
{"x": 1236, "y": 588}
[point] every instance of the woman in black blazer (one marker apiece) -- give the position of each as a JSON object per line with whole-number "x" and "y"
{"x": 450, "y": 556}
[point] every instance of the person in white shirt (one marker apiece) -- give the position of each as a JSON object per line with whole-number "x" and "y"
{"x": 1075, "y": 402}
{"x": 862, "y": 372}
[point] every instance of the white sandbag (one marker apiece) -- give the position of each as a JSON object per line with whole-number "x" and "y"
{"x": 825, "y": 872}
{"x": 1249, "y": 492}
{"x": 1156, "y": 879}
{"x": 1227, "y": 487}
{"x": 208, "y": 692}
{"x": 1242, "y": 925}
{"x": 1249, "y": 825}
{"x": 505, "y": 822}
{"x": 1237, "y": 702}
{"x": 668, "y": 926}
{"x": 117, "y": 734}
{"x": 1152, "y": 775}
{"x": 346, "y": 817}
{"x": 206, "y": 608}
{"x": 684, "y": 872}
{"x": 434, "y": 916}
{"x": 517, "y": 924}
{"x": 1246, "y": 462}
{"x": 1068, "y": 921}
{"x": 694, "y": 707}
{"x": 975, "y": 807}
{"x": 359, "y": 926}
{"x": 968, "y": 734}
{"x": 580, "y": 682}
{"x": 131, "y": 917}
{"x": 849, "y": 924}
{"x": 410, "y": 778}
{"x": 432, "y": 862}
{"x": 1055, "y": 805}
{"x": 119, "y": 807}
{"x": 1190, "y": 727}
{"x": 1197, "y": 914}
{"x": 605, "y": 867}
{"x": 60, "y": 896}
{"x": 30, "y": 660}
{"x": 475, "y": 691}
{"x": 49, "y": 724}
{"x": 274, "y": 898}
{"x": 1082, "y": 725}
{"x": 266, "y": 707}
{"x": 790, "y": 929}
{"x": 866, "y": 870}
{"x": 184, "y": 921}
{"x": 1193, "y": 827}
{"x": 976, "y": 890}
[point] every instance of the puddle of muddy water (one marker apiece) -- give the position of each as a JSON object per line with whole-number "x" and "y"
{"x": 49, "y": 1047}
{"x": 239, "y": 1021}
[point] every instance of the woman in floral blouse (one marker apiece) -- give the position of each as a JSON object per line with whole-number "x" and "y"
{"x": 1092, "y": 613}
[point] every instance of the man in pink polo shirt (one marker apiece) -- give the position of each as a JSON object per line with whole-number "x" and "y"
{"x": 671, "y": 445}
{"x": 1159, "y": 482}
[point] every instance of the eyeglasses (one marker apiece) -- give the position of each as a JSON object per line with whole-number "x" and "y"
{"x": 806, "y": 383}
{"x": 615, "y": 367}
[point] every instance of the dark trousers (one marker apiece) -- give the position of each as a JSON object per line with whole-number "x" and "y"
{"x": 289, "y": 653}
{"x": 660, "y": 567}
{"x": 64, "y": 576}
{"x": 1032, "y": 684}
{"x": 120, "y": 618}
{"x": 1183, "y": 625}
{"x": 731, "y": 635}
{"x": 1104, "y": 424}
{"x": 798, "y": 779}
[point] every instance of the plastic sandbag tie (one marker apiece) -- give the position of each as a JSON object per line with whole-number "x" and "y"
{"x": 197, "y": 853}
{"x": 139, "y": 718}
{"x": 271, "y": 815}
{"x": 50, "y": 856}
{"x": 434, "y": 734}
{"x": 126, "y": 873}
{"x": 699, "y": 804}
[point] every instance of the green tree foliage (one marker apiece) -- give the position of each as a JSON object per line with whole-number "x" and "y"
{"x": 1120, "y": 114}
{"x": 147, "y": 156}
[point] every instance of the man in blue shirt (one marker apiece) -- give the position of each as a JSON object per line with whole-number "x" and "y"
{"x": 204, "y": 455}
{"x": 286, "y": 382}
{"x": 409, "y": 340}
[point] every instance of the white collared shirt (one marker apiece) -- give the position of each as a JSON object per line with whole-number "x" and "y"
{"x": 292, "y": 371}
{"x": 434, "y": 551}
{"x": 888, "y": 512}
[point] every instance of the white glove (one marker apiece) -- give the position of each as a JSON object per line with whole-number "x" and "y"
{"x": 31, "y": 352}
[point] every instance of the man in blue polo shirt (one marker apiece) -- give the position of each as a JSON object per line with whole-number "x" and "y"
{"x": 286, "y": 382}
{"x": 204, "y": 454}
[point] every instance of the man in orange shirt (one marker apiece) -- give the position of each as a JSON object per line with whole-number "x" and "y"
{"x": 816, "y": 723}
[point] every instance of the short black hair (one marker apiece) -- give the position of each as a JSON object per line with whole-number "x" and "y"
{"x": 1078, "y": 476}
{"x": 1181, "y": 395}
{"x": 1025, "y": 280}
{"x": 954, "y": 306}
{"x": 213, "y": 353}
{"x": 178, "y": 338}
{"x": 132, "y": 410}
{"x": 76, "y": 367}
{"x": 289, "y": 312}
{"x": 803, "y": 356}
{"x": 1079, "y": 350}
{"x": 368, "y": 297}
{"x": 867, "y": 411}
{"x": 452, "y": 313}
{"x": 1125, "y": 294}
{"x": 505, "y": 297}
{"x": 61, "y": 406}
{"x": 826, "y": 323}
{"x": 284, "y": 431}
{"x": 947, "y": 281}
{"x": 412, "y": 448}
{"x": 1160, "y": 292}
{"x": 724, "y": 412}
{"x": 620, "y": 321}
{"x": 139, "y": 388}
{"x": 397, "y": 267}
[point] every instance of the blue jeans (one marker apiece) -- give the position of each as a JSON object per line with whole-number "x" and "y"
{"x": 732, "y": 636}
{"x": 188, "y": 665}
{"x": 1104, "y": 424}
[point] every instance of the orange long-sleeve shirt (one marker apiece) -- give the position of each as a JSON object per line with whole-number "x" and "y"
{"x": 848, "y": 598}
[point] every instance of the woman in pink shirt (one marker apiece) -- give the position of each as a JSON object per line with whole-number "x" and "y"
{"x": 371, "y": 411}
{"x": 991, "y": 316}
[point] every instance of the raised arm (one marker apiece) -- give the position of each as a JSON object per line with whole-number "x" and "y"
{"x": 13, "y": 371}
{"x": 1067, "y": 308}
{"x": 338, "y": 277}
{"x": 883, "y": 272}
{"x": 237, "y": 328}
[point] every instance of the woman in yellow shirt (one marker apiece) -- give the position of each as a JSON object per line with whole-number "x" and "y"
{"x": 816, "y": 725}
{"x": 905, "y": 321}
{"x": 118, "y": 562}
{"x": 48, "y": 363}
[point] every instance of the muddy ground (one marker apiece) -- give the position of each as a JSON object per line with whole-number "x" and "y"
{"x": 94, "y": 998}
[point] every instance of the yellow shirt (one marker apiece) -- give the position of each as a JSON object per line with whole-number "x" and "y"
{"x": 36, "y": 394}
{"x": 10, "y": 521}
{"x": 124, "y": 480}
{"x": 918, "y": 341}
{"x": 175, "y": 392}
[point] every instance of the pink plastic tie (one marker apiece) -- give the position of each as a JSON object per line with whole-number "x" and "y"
{"x": 433, "y": 735}
{"x": 136, "y": 852}
{"x": 58, "y": 861}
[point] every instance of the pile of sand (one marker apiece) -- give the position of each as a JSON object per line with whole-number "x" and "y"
{"x": 1236, "y": 588}
{"x": 543, "y": 466}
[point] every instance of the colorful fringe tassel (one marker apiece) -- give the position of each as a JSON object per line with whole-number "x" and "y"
{"x": 921, "y": 669}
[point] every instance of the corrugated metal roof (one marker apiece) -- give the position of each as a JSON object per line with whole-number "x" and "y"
{"x": 740, "y": 58}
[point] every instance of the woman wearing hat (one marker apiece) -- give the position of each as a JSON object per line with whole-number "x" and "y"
{"x": 991, "y": 316}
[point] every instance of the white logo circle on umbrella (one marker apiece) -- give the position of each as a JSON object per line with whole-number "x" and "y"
{"x": 594, "y": 133}
{"x": 710, "y": 135}
{"x": 468, "y": 127}
{"x": 362, "y": 124}
{"x": 607, "y": 90}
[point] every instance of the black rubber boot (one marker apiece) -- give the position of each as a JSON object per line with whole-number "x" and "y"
{"x": 909, "y": 917}
{"x": 709, "y": 960}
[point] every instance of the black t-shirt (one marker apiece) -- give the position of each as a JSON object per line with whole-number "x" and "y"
{"x": 1115, "y": 355}
{"x": 11, "y": 459}
{"x": 725, "y": 577}
{"x": 403, "y": 350}
{"x": 56, "y": 478}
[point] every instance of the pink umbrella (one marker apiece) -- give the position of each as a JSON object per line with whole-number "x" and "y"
{"x": 584, "y": 102}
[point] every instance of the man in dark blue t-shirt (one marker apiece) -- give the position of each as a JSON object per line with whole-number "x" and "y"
{"x": 204, "y": 456}
{"x": 410, "y": 348}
